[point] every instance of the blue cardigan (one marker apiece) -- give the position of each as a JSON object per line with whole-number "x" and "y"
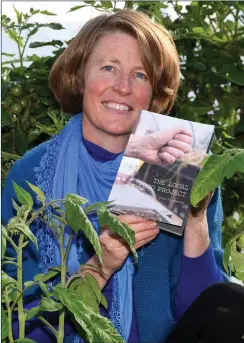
{"x": 154, "y": 321}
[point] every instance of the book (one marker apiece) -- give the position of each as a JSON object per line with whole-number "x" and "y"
{"x": 156, "y": 189}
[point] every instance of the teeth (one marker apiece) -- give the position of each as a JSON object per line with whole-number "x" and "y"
{"x": 116, "y": 106}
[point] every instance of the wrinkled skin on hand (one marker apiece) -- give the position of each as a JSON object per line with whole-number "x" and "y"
{"x": 164, "y": 147}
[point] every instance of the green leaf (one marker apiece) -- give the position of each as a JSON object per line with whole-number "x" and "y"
{"x": 19, "y": 15}
{"x": 4, "y": 324}
{"x": 121, "y": 229}
{"x": 32, "y": 32}
{"x": 7, "y": 280}
{"x": 95, "y": 206}
{"x": 5, "y": 118}
{"x": 237, "y": 262}
{"x": 231, "y": 74}
{"x": 11, "y": 262}
{"x": 214, "y": 171}
{"x": 47, "y": 304}
{"x": 86, "y": 294}
{"x": 104, "y": 302}
{"x": 40, "y": 44}
{"x": 40, "y": 194}
{"x": 28, "y": 284}
{"x": 3, "y": 242}
{"x": 44, "y": 288}
{"x": 76, "y": 199}
{"x": 32, "y": 312}
{"x": 198, "y": 30}
{"x": 72, "y": 302}
{"x": 47, "y": 13}
{"x": 97, "y": 328}
{"x": 46, "y": 277}
{"x": 78, "y": 220}
{"x": 23, "y": 196}
{"x": 94, "y": 285}
{"x": 226, "y": 256}
{"x": 76, "y": 8}
{"x": 16, "y": 223}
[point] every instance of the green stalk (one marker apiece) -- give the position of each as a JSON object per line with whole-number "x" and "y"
{"x": 60, "y": 337}
{"x": 21, "y": 314}
{"x": 10, "y": 332}
{"x": 54, "y": 331}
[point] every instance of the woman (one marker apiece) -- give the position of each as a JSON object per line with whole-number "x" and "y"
{"x": 116, "y": 66}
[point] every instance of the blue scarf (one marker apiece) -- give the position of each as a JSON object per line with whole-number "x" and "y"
{"x": 77, "y": 172}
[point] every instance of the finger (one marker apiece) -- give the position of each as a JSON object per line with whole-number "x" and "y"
{"x": 176, "y": 153}
{"x": 131, "y": 219}
{"x": 184, "y": 138}
{"x": 165, "y": 157}
{"x": 146, "y": 226}
{"x": 145, "y": 241}
{"x": 141, "y": 236}
{"x": 183, "y": 132}
{"x": 180, "y": 145}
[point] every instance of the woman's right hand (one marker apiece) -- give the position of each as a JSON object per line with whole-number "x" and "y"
{"x": 116, "y": 250}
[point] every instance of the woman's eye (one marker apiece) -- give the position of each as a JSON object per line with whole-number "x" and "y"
{"x": 108, "y": 68}
{"x": 141, "y": 75}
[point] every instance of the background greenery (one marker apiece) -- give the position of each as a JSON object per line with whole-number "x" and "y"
{"x": 210, "y": 40}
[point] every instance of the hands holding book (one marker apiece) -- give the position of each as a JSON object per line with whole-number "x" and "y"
{"x": 160, "y": 148}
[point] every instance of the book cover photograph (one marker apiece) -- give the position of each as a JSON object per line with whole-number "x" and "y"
{"x": 155, "y": 188}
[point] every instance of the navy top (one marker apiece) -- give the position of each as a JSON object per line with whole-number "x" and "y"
{"x": 194, "y": 278}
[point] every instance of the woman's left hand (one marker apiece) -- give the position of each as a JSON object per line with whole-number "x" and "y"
{"x": 196, "y": 237}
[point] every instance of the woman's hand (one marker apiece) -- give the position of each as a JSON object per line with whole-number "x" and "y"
{"x": 160, "y": 148}
{"x": 115, "y": 249}
{"x": 196, "y": 237}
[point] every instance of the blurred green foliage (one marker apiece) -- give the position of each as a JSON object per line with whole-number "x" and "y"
{"x": 210, "y": 39}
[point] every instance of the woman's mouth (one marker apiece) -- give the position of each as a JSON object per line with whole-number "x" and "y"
{"x": 117, "y": 106}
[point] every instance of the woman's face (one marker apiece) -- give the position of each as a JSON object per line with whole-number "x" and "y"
{"x": 116, "y": 87}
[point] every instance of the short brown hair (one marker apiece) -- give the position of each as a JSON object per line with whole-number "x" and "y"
{"x": 159, "y": 57}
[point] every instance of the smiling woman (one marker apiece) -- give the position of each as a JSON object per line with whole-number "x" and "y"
{"x": 117, "y": 65}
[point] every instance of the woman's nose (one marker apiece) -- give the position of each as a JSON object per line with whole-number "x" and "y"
{"x": 123, "y": 85}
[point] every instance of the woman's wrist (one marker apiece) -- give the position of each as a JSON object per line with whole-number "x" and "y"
{"x": 196, "y": 237}
{"x": 102, "y": 275}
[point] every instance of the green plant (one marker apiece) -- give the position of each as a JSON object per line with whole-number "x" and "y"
{"x": 215, "y": 169}
{"x": 77, "y": 295}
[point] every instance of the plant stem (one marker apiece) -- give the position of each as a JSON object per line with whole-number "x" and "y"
{"x": 48, "y": 325}
{"x": 10, "y": 332}
{"x": 21, "y": 314}
{"x": 68, "y": 247}
{"x": 42, "y": 209}
{"x": 60, "y": 337}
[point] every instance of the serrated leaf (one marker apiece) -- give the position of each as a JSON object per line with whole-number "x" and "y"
{"x": 121, "y": 229}
{"x": 3, "y": 242}
{"x": 214, "y": 171}
{"x": 73, "y": 303}
{"x": 29, "y": 283}
{"x": 94, "y": 285}
{"x": 78, "y": 220}
{"x": 7, "y": 280}
{"x": 41, "y": 44}
{"x": 50, "y": 305}
{"x": 32, "y": 32}
{"x": 45, "y": 277}
{"x": 237, "y": 262}
{"x": 82, "y": 287}
{"x": 76, "y": 199}
{"x": 47, "y": 12}
{"x": 76, "y": 8}
{"x": 4, "y": 324}
{"x": 40, "y": 195}
{"x": 18, "y": 15}
{"x": 96, "y": 327}
{"x": 95, "y": 206}
{"x": 32, "y": 312}
{"x": 17, "y": 224}
{"x": 23, "y": 196}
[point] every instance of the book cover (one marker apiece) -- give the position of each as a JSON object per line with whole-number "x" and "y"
{"x": 160, "y": 190}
